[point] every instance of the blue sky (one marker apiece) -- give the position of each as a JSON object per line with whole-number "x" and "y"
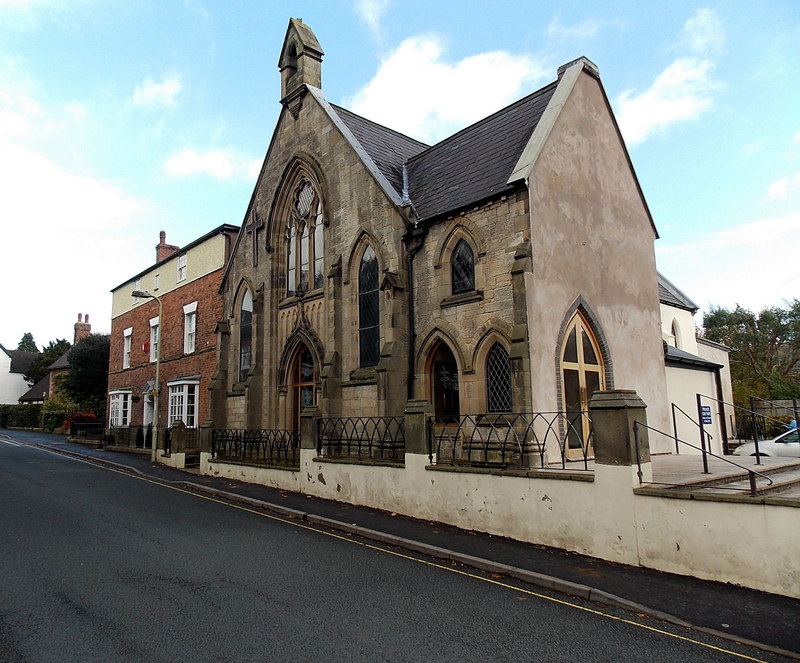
{"x": 118, "y": 120}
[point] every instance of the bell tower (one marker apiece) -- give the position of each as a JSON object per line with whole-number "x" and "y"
{"x": 300, "y": 61}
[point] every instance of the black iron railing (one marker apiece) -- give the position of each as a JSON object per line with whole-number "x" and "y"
{"x": 552, "y": 440}
{"x": 377, "y": 438}
{"x": 262, "y": 446}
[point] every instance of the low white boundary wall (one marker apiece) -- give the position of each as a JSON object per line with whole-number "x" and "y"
{"x": 754, "y": 545}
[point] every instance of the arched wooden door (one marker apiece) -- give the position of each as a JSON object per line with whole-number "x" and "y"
{"x": 443, "y": 376}
{"x": 582, "y": 373}
{"x": 303, "y": 384}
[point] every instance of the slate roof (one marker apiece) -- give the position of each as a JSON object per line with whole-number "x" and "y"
{"x": 61, "y": 363}
{"x": 389, "y": 149}
{"x": 475, "y": 163}
{"x": 469, "y": 166}
{"x": 670, "y": 295}
{"x": 37, "y": 392}
{"x": 21, "y": 360}
{"x": 676, "y": 357}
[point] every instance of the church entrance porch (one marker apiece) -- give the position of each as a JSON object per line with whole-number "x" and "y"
{"x": 302, "y": 386}
{"x": 443, "y": 381}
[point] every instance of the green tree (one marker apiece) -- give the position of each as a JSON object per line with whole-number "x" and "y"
{"x": 27, "y": 343}
{"x": 50, "y": 354}
{"x": 88, "y": 372}
{"x": 765, "y": 349}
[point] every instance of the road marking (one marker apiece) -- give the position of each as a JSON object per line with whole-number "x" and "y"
{"x": 364, "y": 544}
{"x": 9, "y": 441}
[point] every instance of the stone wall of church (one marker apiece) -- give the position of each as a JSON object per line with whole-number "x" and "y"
{"x": 468, "y": 322}
{"x": 357, "y": 213}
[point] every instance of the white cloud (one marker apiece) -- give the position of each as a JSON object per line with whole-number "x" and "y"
{"x": 163, "y": 93}
{"x": 681, "y": 92}
{"x": 778, "y": 189}
{"x": 740, "y": 265}
{"x": 67, "y": 234}
{"x": 781, "y": 188}
{"x": 219, "y": 164}
{"x": 371, "y": 13}
{"x": 416, "y": 91}
{"x": 703, "y": 32}
{"x": 796, "y": 138}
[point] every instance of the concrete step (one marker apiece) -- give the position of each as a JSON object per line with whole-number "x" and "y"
{"x": 783, "y": 479}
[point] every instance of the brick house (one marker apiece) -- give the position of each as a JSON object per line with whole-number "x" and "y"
{"x": 508, "y": 268}
{"x": 186, "y": 281}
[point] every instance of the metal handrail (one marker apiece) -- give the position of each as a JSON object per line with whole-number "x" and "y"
{"x": 751, "y": 473}
{"x": 703, "y": 431}
{"x": 755, "y": 414}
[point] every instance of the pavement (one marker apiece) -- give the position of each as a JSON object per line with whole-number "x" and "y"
{"x": 768, "y": 621}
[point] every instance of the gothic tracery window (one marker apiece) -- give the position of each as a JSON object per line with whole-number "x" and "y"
{"x": 304, "y": 238}
{"x": 369, "y": 333}
{"x": 463, "y": 268}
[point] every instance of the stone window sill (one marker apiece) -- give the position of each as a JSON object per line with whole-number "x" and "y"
{"x": 462, "y": 298}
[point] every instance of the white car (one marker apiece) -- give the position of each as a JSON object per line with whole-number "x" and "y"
{"x": 786, "y": 444}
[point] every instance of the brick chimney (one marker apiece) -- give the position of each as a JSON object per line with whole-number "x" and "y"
{"x": 82, "y": 328}
{"x": 164, "y": 250}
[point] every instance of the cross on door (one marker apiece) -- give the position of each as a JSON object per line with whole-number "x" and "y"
{"x": 255, "y": 224}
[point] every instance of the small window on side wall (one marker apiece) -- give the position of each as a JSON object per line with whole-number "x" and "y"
{"x": 463, "y": 268}
{"x": 498, "y": 380}
{"x": 245, "y": 336}
{"x": 369, "y": 330}
{"x": 181, "y": 275}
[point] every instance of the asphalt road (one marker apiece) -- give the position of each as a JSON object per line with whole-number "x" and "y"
{"x": 98, "y": 565}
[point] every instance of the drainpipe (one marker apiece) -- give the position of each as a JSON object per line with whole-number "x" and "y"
{"x": 723, "y": 425}
{"x": 414, "y": 240}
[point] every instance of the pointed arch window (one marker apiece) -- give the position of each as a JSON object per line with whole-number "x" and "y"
{"x": 245, "y": 336}
{"x": 582, "y": 373}
{"x": 676, "y": 334}
{"x": 305, "y": 241}
{"x": 369, "y": 332}
{"x": 498, "y": 380}
{"x": 463, "y": 268}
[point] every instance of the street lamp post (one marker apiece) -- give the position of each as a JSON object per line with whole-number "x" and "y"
{"x": 157, "y": 390}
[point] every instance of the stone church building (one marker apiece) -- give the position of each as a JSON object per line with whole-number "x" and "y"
{"x": 507, "y": 268}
